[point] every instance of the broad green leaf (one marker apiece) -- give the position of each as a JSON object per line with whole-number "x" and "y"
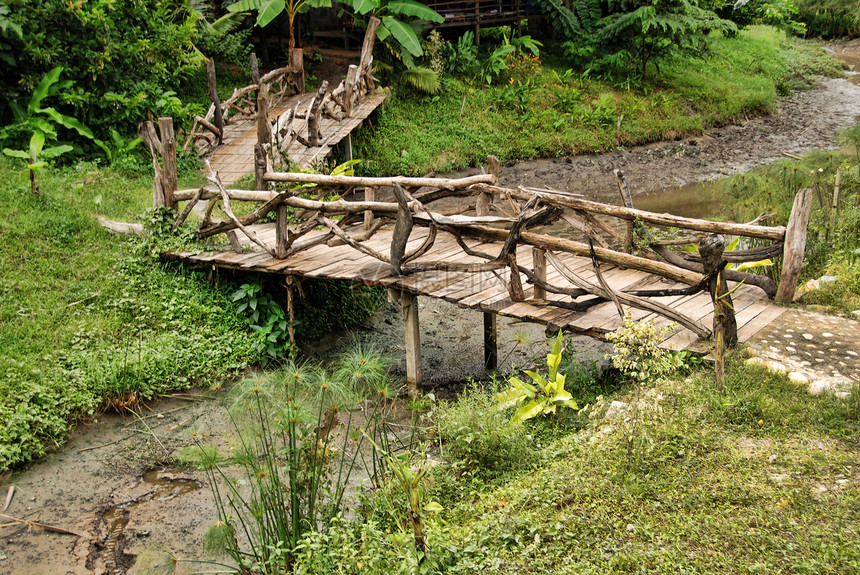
{"x": 43, "y": 125}
{"x": 36, "y": 166}
{"x": 528, "y": 411}
{"x": 404, "y": 34}
{"x": 364, "y": 6}
{"x": 733, "y": 245}
{"x": 73, "y": 124}
{"x": 18, "y": 112}
{"x": 433, "y": 507}
{"x": 345, "y": 169}
{"x": 415, "y": 9}
{"x": 539, "y": 379}
{"x": 382, "y": 33}
{"x": 318, "y": 4}
{"x": 553, "y": 360}
{"x": 41, "y": 91}
{"x": 269, "y": 11}
{"x": 16, "y": 153}
{"x": 245, "y": 5}
{"x": 55, "y": 151}
{"x": 37, "y": 142}
{"x": 752, "y": 265}
{"x": 520, "y": 384}
{"x": 510, "y": 397}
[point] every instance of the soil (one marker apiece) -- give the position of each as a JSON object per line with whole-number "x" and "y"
{"x": 109, "y": 484}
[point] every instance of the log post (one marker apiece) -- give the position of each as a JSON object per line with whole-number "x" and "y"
{"x": 627, "y": 198}
{"x": 711, "y": 248}
{"x": 255, "y": 69}
{"x": 264, "y": 128}
{"x": 369, "y": 196}
{"x": 795, "y": 246}
{"x": 349, "y": 92}
{"x": 482, "y": 204}
{"x": 491, "y": 349}
{"x": 539, "y": 260}
{"x": 168, "y": 162}
{"x": 213, "y": 95}
{"x": 261, "y": 166}
{"x": 282, "y": 231}
{"x": 297, "y": 63}
{"x": 314, "y": 113}
{"x": 409, "y": 304}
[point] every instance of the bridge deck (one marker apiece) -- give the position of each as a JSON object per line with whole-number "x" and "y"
{"x": 235, "y": 158}
{"x": 485, "y": 291}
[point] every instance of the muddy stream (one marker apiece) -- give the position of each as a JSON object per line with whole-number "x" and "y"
{"x": 108, "y": 484}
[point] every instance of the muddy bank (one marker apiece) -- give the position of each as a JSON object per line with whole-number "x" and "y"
{"x": 806, "y": 121}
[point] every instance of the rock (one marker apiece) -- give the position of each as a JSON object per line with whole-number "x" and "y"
{"x": 828, "y": 279}
{"x": 798, "y": 378}
{"x": 615, "y": 408}
{"x": 775, "y": 367}
{"x": 856, "y": 313}
{"x": 755, "y": 361}
{"x": 818, "y": 387}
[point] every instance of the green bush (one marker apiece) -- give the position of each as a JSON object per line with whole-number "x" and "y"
{"x": 478, "y": 437}
{"x": 830, "y": 18}
{"x": 126, "y": 57}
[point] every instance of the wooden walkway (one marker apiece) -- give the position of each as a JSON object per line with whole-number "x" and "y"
{"x": 235, "y": 157}
{"x": 485, "y": 291}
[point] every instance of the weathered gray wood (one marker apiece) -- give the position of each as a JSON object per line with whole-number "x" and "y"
{"x": 627, "y": 199}
{"x": 297, "y": 63}
{"x": 409, "y": 305}
{"x": 402, "y": 229}
{"x": 314, "y": 113}
{"x": 121, "y": 227}
{"x": 216, "y": 101}
{"x": 491, "y": 347}
{"x": 146, "y": 130}
{"x": 168, "y": 161}
{"x": 264, "y": 128}
{"x": 539, "y": 263}
{"x": 349, "y": 93}
{"x": 261, "y": 165}
{"x": 482, "y": 204}
{"x": 551, "y": 198}
{"x": 406, "y": 182}
{"x": 711, "y": 248}
{"x": 255, "y": 69}
{"x": 795, "y": 246}
{"x": 369, "y": 196}
{"x": 187, "y": 210}
{"x": 208, "y": 125}
{"x": 233, "y": 238}
{"x": 282, "y": 231}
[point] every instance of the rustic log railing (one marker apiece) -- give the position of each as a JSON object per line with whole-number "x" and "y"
{"x": 207, "y": 132}
{"x": 509, "y": 216}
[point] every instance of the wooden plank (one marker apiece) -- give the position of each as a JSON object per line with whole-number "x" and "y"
{"x": 759, "y": 320}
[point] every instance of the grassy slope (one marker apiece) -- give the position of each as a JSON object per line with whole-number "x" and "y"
{"x": 544, "y": 116}
{"x": 759, "y": 478}
{"x": 83, "y": 320}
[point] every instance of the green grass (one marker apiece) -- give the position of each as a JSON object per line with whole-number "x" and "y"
{"x": 540, "y": 115}
{"x": 85, "y": 319}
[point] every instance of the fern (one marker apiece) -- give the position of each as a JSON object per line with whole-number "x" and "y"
{"x": 422, "y": 78}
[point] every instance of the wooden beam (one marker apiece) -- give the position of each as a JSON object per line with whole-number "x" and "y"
{"x": 491, "y": 349}
{"x": 213, "y": 95}
{"x": 406, "y": 182}
{"x": 795, "y": 246}
{"x": 168, "y": 162}
{"x": 548, "y": 197}
{"x": 539, "y": 261}
{"x": 409, "y": 304}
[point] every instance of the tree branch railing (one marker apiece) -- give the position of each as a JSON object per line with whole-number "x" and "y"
{"x": 506, "y": 217}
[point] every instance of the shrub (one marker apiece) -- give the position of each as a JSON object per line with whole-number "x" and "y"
{"x": 478, "y": 437}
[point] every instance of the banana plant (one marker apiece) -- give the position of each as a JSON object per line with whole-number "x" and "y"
{"x": 268, "y": 10}
{"x": 42, "y": 124}
{"x": 543, "y": 396}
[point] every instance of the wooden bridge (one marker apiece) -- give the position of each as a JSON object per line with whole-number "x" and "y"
{"x": 273, "y": 120}
{"x": 534, "y": 254}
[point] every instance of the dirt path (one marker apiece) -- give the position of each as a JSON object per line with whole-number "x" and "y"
{"x": 107, "y": 484}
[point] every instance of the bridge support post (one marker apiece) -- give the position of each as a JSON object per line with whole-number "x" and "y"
{"x": 795, "y": 246}
{"x": 491, "y": 348}
{"x": 409, "y": 304}
{"x": 539, "y": 261}
{"x": 711, "y": 248}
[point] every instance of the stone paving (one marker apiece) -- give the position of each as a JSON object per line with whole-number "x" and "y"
{"x": 816, "y": 350}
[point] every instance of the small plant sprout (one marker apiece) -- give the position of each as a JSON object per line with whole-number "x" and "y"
{"x": 545, "y": 394}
